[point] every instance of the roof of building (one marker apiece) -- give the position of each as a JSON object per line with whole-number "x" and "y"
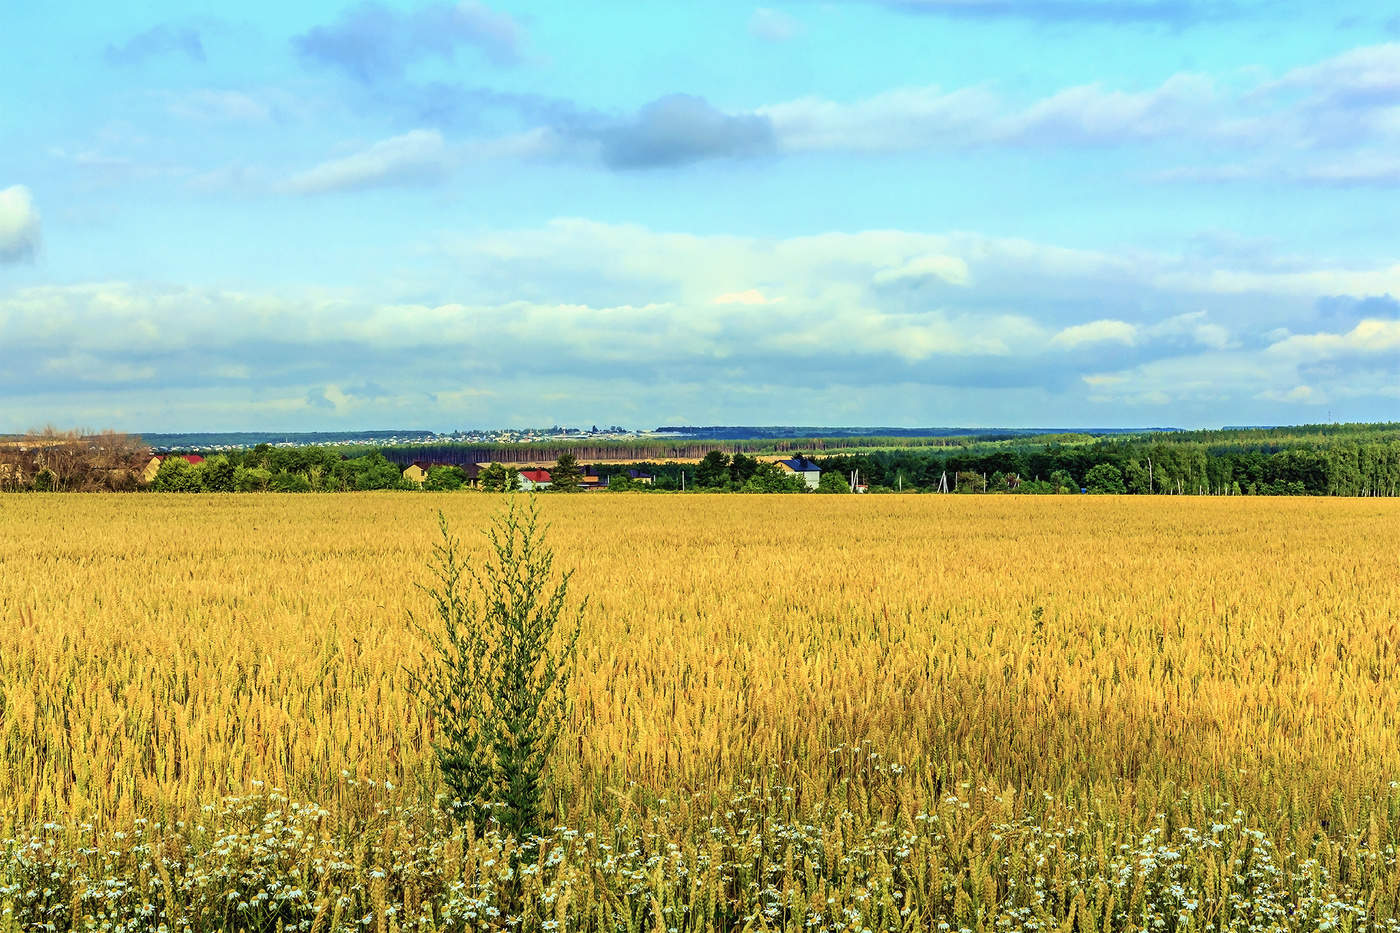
{"x": 801, "y": 465}
{"x": 535, "y": 476}
{"x": 640, "y": 474}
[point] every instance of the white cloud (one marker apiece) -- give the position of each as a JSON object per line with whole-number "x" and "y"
{"x": 1333, "y": 123}
{"x": 750, "y": 296}
{"x": 950, "y": 269}
{"x": 19, "y": 224}
{"x": 415, "y": 157}
{"x": 619, "y": 312}
{"x": 1364, "y": 75}
{"x": 1298, "y": 394}
{"x": 1372, "y": 336}
{"x": 932, "y": 117}
{"x": 897, "y": 120}
{"x": 1193, "y": 326}
{"x": 1103, "y": 331}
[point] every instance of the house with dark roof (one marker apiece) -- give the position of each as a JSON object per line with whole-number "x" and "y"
{"x": 472, "y": 471}
{"x": 807, "y": 469}
{"x": 592, "y": 482}
{"x": 641, "y": 476}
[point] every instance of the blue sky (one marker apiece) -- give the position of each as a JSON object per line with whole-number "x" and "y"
{"x": 918, "y": 212}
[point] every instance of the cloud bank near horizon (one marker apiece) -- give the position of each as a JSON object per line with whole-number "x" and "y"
{"x": 645, "y": 326}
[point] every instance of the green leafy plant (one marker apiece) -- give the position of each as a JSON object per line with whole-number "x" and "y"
{"x": 496, "y": 673}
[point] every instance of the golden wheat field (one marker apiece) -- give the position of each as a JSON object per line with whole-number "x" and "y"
{"x": 1102, "y": 668}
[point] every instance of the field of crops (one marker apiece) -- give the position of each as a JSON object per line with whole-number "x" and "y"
{"x": 790, "y": 712}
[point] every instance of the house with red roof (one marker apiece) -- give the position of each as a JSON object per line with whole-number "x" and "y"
{"x": 534, "y": 479}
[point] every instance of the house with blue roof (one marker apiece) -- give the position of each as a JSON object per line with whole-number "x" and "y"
{"x": 807, "y": 469}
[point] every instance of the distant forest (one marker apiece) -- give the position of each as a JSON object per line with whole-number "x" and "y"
{"x": 1314, "y": 460}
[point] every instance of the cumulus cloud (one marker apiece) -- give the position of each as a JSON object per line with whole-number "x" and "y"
{"x": 19, "y": 224}
{"x": 680, "y": 129}
{"x": 656, "y": 320}
{"x": 157, "y": 41}
{"x": 417, "y": 157}
{"x": 1362, "y": 77}
{"x": 1370, "y": 337}
{"x": 372, "y": 41}
{"x": 1333, "y": 123}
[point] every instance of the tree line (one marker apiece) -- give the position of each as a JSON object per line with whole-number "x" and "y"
{"x": 1339, "y": 468}
{"x": 1339, "y": 461}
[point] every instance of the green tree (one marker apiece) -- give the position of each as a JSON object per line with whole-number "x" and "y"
{"x": 176, "y": 475}
{"x": 258, "y": 456}
{"x": 832, "y": 482}
{"x": 1105, "y": 479}
{"x": 289, "y": 482}
{"x": 445, "y": 479}
{"x": 1136, "y": 478}
{"x": 566, "y": 474}
{"x": 496, "y": 673}
{"x": 250, "y": 479}
{"x": 372, "y": 471}
{"x": 712, "y": 471}
{"x": 217, "y": 474}
{"x": 741, "y": 468}
{"x": 1063, "y": 482}
{"x": 498, "y": 477}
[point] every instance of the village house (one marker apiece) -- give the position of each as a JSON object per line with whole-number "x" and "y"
{"x": 641, "y": 476}
{"x": 417, "y": 471}
{"x": 534, "y": 479}
{"x": 472, "y": 471}
{"x": 807, "y": 469}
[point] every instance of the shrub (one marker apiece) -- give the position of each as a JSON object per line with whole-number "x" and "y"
{"x": 495, "y": 676}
